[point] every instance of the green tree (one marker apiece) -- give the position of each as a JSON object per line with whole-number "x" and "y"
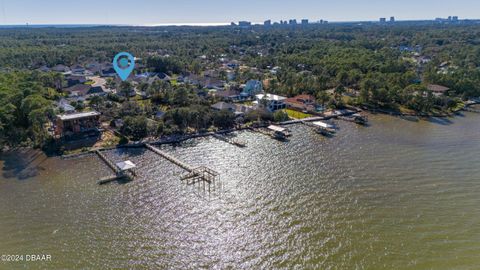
{"x": 135, "y": 127}
{"x": 280, "y": 116}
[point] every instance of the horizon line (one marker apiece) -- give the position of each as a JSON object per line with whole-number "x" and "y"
{"x": 209, "y": 23}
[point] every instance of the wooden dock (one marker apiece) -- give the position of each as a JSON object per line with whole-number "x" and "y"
{"x": 170, "y": 158}
{"x": 127, "y": 175}
{"x": 193, "y": 175}
{"x": 107, "y": 161}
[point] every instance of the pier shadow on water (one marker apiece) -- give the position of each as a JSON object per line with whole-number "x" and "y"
{"x": 22, "y": 163}
{"x": 439, "y": 120}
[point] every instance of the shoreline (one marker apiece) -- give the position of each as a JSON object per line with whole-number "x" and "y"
{"x": 174, "y": 139}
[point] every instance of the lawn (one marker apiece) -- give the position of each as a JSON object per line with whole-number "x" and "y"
{"x": 296, "y": 114}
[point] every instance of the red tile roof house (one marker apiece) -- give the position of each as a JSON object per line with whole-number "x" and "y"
{"x": 301, "y": 102}
{"x": 438, "y": 90}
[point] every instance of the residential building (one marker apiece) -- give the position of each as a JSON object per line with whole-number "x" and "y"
{"x": 301, "y": 102}
{"x": 108, "y": 70}
{"x": 252, "y": 88}
{"x": 438, "y": 90}
{"x": 60, "y": 68}
{"x": 75, "y": 79}
{"x": 83, "y": 90}
{"x": 270, "y": 102}
{"x": 77, "y": 69}
{"x": 77, "y": 123}
{"x": 213, "y": 83}
{"x": 228, "y": 95}
{"x": 237, "y": 109}
{"x": 94, "y": 68}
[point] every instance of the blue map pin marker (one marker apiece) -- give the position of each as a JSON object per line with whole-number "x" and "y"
{"x": 123, "y": 63}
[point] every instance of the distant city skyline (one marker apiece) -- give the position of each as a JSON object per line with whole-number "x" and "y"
{"x": 207, "y": 12}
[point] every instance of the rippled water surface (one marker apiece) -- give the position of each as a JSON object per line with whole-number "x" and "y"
{"x": 399, "y": 194}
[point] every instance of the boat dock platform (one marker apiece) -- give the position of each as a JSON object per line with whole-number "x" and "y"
{"x": 129, "y": 174}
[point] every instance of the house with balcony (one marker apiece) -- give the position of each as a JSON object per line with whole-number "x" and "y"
{"x": 77, "y": 124}
{"x": 270, "y": 102}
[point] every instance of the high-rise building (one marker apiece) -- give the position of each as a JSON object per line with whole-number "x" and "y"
{"x": 455, "y": 18}
{"x": 267, "y": 23}
{"x": 244, "y": 23}
{"x": 304, "y": 21}
{"x": 292, "y": 22}
{"x": 383, "y": 20}
{"x": 392, "y": 19}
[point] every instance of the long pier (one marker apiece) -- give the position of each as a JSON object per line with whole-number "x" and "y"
{"x": 107, "y": 161}
{"x": 194, "y": 175}
{"x": 170, "y": 158}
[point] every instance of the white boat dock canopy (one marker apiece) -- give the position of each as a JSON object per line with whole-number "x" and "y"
{"x": 322, "y": 124}
{"x": 126, "y": 165}
{"x": 276, "y": 128}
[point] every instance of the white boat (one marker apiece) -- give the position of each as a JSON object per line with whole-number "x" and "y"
{"x": 325, "y": 129}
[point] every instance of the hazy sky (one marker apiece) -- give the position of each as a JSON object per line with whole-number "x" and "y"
{"x": 151, "y": 12}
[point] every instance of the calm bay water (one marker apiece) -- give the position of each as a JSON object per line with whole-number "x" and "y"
{"x": 396, "y": 195}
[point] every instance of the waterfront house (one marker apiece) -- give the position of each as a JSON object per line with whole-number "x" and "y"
{"x": 237, "y": 109}
{"x": 438, "y": 90}
{"x": 270, "y": 102}
{"x": 77, "y": 123}
{"x": 301, "y": 102}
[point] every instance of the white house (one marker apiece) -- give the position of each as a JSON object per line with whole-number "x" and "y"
{"x": 271, "y": 102}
